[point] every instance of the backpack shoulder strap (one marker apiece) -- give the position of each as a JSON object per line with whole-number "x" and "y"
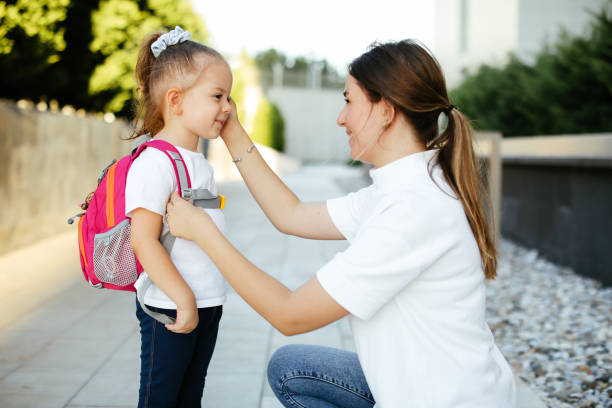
{"x": 178, "y": 164}
{"x": 202, "y": 197}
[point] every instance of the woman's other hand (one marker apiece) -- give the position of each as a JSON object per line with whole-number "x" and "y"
{"x": 185, "y": 220}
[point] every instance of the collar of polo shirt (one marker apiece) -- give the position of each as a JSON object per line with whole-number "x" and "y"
{"x": 404, "y": 171}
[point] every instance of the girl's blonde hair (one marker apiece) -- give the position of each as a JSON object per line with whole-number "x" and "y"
{"x": 178, "y": 64}
{"x": 407, "y": 75}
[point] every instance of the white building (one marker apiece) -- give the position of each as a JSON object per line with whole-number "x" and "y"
{"x": 469, "y": 33}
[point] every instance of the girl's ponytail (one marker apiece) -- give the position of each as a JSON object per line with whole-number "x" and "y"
{"x": 458, "y": 161}
{"x": 148, "y": 117}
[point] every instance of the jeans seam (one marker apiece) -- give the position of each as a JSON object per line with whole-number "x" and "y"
{"x": 152, "y": 359}
{"x": 291, "y": 377}
{"x": 288, "y": 396}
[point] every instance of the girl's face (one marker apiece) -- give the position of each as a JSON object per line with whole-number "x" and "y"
{"x": 360, "y": 119}
{"x": 206, "y": 104}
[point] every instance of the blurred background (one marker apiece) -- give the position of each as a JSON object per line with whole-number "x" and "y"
{"x": 534, "y": 76}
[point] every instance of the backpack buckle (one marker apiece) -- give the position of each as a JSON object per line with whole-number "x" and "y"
{"x": 187, "y": 194}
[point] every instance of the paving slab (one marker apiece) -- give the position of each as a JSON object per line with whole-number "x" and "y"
{"x": 64, "y": 344}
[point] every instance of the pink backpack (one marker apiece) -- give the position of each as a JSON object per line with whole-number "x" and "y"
{"x": 105, "y": 249}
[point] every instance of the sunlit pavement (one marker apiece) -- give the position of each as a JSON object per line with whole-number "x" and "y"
{"x": 64, "y": 344}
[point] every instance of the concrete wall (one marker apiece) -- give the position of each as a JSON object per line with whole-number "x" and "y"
{"x": 311, "y": 132}
{"x": 48, "y": 164}
{"x": 557, "y": 198}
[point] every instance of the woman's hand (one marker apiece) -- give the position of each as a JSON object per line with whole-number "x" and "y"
{"x": 186, "y": 221}
{"x": 232, "y": 124}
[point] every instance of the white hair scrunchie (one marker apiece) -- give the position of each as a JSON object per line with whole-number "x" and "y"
{"x": 173, "y": 37}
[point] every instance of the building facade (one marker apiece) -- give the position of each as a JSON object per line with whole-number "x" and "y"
{"x": 469, "y": 33}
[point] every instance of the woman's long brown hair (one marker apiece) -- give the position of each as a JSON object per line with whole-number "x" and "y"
{"x": 407, "y": 75}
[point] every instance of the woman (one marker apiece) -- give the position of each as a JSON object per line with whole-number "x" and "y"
{"x": 420, "y": 249}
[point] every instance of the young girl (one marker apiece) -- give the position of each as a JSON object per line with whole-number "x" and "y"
{"x": 185, "y": 96}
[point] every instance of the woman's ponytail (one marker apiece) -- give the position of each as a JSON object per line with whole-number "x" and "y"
{"x": 458, "y": 161}
{"x": 407, "y": 74}
{"x": 148, "y": 117}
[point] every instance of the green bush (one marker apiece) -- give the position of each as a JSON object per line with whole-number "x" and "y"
{"x": 567, "y": 90}
{"x": 269, "y": 126}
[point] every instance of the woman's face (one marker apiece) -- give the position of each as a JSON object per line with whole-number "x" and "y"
{"x": 359, "y": 118}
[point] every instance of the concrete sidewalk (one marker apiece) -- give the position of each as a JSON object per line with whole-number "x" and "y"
{"x": 63, "y": 344}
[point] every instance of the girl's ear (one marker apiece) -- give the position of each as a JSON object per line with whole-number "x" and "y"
{"x": 174, "y": 100}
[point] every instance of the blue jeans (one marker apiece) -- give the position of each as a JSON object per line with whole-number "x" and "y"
{"x": 304, "y": 376}
{"x": 173, "y": 366}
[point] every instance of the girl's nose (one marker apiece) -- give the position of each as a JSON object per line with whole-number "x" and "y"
{"x": 227, "y": 106}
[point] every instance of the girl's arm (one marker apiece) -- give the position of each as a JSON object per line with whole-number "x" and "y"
{"x": 300, "y": 311}
{"x": 146, "y": 229}
{"x": 282, "y": 207}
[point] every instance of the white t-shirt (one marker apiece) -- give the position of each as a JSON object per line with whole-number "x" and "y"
{"x": 413, "y": 282}
{"x": 150, "y": 182}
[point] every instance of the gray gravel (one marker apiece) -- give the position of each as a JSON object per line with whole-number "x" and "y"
{"x": 554, "y": 327}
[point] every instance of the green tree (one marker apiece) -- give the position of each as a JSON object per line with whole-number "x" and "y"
{"x": 31, "y": 41}
{"x": 82, "y": 52}
{"x": 118, "y": 29}
{"x": 266, "y": 60}
{"x": 70, "y": 75}
{"x": 568, "y": 89}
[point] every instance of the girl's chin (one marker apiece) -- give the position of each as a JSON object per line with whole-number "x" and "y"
{"x": 211, "y": 136}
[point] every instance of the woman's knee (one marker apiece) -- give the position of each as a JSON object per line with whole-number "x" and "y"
{"x": 282, "y": 361}
{"x": 303, "y": 359}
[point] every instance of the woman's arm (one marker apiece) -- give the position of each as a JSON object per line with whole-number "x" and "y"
{"x": 300, "y": 311}
{"x": 282, "y": 207}
{"x": 146, "y": 228}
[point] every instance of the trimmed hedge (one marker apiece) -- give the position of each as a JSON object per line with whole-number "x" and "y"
{"x": 568, "y": 90}
{"x": 269, "y": 126}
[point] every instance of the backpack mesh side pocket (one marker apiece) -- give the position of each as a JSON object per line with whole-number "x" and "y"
{"x": 114, "y": 259}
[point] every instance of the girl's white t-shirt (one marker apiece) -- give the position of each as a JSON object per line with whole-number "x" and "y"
{"x": 413, "y": 282}
{"x": 150, "y": 182}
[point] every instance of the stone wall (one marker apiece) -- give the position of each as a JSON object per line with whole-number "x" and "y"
{"x": 48, "y": 163}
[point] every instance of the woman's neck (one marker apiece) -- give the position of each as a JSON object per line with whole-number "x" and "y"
{"x": 398, "y": 141}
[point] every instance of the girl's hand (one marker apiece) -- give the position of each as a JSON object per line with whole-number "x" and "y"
{"x": 186, "y": 221}
{"x": 186, "y": 320}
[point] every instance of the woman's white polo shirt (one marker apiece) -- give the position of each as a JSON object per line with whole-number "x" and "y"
{"x": 413, "y": 282}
